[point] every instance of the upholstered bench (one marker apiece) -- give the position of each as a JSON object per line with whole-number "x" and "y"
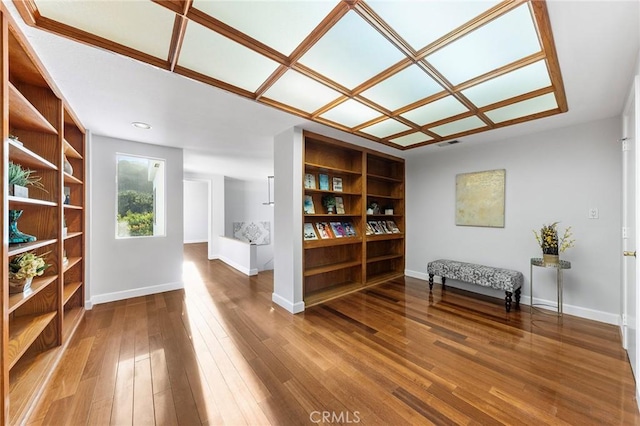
{"x": 487, "y": 276}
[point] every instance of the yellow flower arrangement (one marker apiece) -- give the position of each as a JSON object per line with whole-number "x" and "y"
{"x": 550, "y": 242}
{"x": 27, "y": 265}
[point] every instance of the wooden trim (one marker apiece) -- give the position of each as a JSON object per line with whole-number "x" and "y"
{"x": 271, "y": 80}
{"x": 177, "y": 38}
{"x": 322, "y": 79}
{"x": 28, "y": 10}
{"x": 213, "y": 82}
{"x": 366, "y": 13}
{"x": 422, "y": 102}
{"x": 392, "y": 70}
{"x": 541, "y": 15}
{"x": 286, "y": 108}
{"x": 315, "y": 115}
{"x": 4, "y": 262}
{"x": 517, "y": 99}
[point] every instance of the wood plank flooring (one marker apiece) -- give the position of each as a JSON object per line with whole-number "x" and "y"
{"x": 220, "y": 353}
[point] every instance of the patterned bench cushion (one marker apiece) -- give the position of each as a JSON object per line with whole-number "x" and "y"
{"x": 487, "y": 276}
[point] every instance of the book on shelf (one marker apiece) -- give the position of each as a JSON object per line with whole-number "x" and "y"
{"x": 349, "y": 229}
{"x": 337, "y": 184}
{"x": 309, "y": 232}
{"x": 383, "y": 226}
{"x": 339, "y": 205}
{"x": 368, "y": 229}
{"x": 309, "y": 208}
{"x": 310, "y": 181}
{"x": 375, "y": 226}
{"x": 324, "y": 230}
{"x": 324, "y": 181}
{"x": 391, "y": 225}
{"x": 338, "y": 230}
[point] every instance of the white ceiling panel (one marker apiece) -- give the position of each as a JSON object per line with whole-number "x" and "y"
{"x": 459, "y": 126}
{"x": 216, "y": 56}
{"x": 141, "y": 25}
{"x": 518, "y": 82}
{"x": 435, "y": 111}
{"x": 530, "y": 106}
{"x": 301, "y": 92}
{"x": 405, "y": 87}
{"x": 351, "y": 113}
{"x": 500, "y": 42}
{"x": 351, "y": 52}
{"x": 385, "y": 128}
{"x": 282, "y": 25}
{"x": 421, "y": 23}
{"x": 411, "y": 139}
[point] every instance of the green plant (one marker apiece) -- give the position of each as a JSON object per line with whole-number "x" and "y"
{"x": 549, "y": 241}
{"x": 27, "y": 265}
{"x": 139, "y": 224}
{"x": 329, "y": 201}
{"x": 21, "y": 176}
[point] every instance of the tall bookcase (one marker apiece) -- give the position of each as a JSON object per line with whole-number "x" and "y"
{"x": 336, "y": 266}
{"x": 38, "y": 323}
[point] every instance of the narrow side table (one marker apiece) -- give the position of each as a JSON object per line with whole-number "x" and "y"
{"x": 559, "y": 267}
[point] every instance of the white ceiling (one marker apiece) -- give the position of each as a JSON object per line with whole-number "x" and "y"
{"x": 597, "y": 44}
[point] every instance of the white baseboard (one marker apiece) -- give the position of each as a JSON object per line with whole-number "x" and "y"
{"x": 294, "y": 308}
{"x": 195, "y": 241}
{"x": 88, "y": 305}
{"x": 592, "y": 314}
{"x": 136, "y": 292}
{"x": 235, "y": 265}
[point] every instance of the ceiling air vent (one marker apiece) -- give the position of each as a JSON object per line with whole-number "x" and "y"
{"x": 447, "y": 143}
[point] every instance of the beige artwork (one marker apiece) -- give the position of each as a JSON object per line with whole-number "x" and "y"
{"x": 480, "y": 199}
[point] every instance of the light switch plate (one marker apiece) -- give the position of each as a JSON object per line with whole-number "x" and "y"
{"x": 593, "y": 213}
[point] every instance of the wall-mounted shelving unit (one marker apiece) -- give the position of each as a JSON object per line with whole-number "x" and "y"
{"x": 38, "y": 323}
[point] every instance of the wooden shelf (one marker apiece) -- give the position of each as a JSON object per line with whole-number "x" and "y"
{"x": 386, "y": 197}
{"x": 382, "y": 237}
{"x": 330, "y": 293}
{"x": 70, "y": 179}
{"x": 72, "y": 262}
{"x": 70, "y": 151}
{"x": 38, "y": 283}
{"x": 23, "y": 115}
{"x": 384, "y": 178}
{"x": 324, "y": 191}
{"x": 380, "y": 278}
{"x": 72, "y": 207}
{"x": 68, "y": 291}
{"x": 384, "y": 258}
{"x": 23, "y": 331}
{"x": 331, "y": 215}
{"x": 335, "y": 170}
{"x": 70, "y": 321}
{"x": 15, "y": 249}
{"x": 310, "y": 244}
{"x": 23, "y": 202}
{"x": 27, "y": 158}
{"x": 329, "y": 268}
{"x": 72, "y": 235}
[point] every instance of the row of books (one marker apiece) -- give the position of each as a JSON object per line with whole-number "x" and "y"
{"x": 381, "y": 227}
{"x": 324, "y": 184}
{"x": 325, "y": 230}
{"x": 310, "y": 208}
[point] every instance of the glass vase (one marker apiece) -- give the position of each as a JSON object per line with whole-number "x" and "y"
{"x": 15, "y": 235}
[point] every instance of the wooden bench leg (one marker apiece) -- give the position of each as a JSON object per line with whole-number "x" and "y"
{"x": 507, "y": 301}
{"x": 444, "y": 280}
{"x": 518, "y": 298}
{"x": 430, "y": 282}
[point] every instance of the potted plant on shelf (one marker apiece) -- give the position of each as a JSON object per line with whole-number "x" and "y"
{"x": 551, "y": 244}
{"x": 329, "y": 201}
{"x": 23, "y": 268}
{"x": 20, "y": 179}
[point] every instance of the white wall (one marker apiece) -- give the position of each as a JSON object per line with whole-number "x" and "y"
{"x": 287, "y": 274}
{"x": 215, "y": 184}
{"x": 243, "y": 203}
{"x": 196, "y": 211}
{"x": 123, "y": 268}
{"x": 551, "y": 176}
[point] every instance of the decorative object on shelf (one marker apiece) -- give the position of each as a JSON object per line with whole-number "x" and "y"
{"x": 66, "y": 195}
{"x": 324, "y": 182}
{"x": 15, "y": 235}
{"x": 23, "y": 268}
{"x": 480, "y": 198}
{"x": 65, "y": 259}
{"x": 309, "y": 208}
{"x": 309, "y": 232}
{"x": 14, "y": 139}
{"x": 337, "y": 184}
{"x": 329, "y": 201}
{"x": 388, "y": 210}
{"x": 373, "y": 208}
{"x": 339, "y": 205}
{"x": 64, "y": 227}
{"x": 551, "y": 244}
{"x": 20, "y": 178}
{"x": 68, "y": 168}
{"x": 309, "y": 181}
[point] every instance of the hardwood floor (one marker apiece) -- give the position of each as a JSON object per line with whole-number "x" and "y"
{"x": 221, "y": 353}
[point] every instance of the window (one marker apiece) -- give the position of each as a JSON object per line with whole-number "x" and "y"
{"x": 140, "y": 197}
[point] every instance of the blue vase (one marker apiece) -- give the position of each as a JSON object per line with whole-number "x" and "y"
{"x": 15, "y": 236}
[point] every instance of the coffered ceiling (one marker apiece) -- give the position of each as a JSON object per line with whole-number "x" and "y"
{"x": 402, "y": 73}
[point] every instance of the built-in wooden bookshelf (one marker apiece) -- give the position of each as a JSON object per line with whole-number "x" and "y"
{"x": 38, "y": 323}
{"x": 342, "y": 264}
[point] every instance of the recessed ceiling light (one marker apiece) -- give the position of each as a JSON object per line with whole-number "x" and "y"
{"x": 140, "y": 125}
